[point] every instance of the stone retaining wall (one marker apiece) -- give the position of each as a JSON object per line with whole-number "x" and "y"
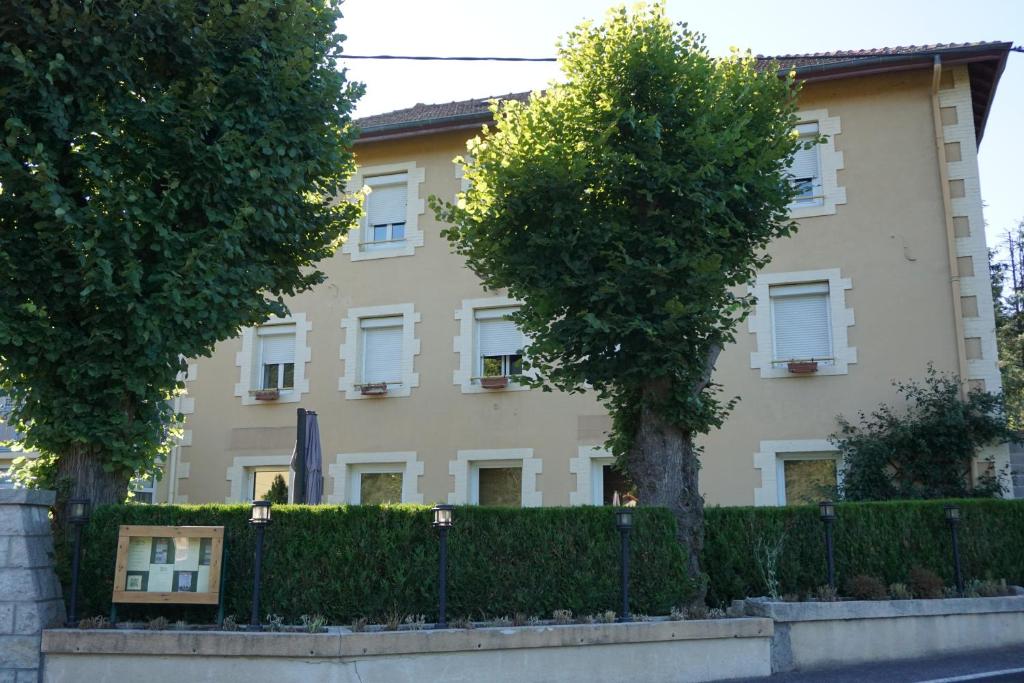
{"x": 811, "y": 635}
{"x": 649, "y": 651}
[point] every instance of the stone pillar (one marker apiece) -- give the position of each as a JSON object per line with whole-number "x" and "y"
{"x": 30, "y": 594}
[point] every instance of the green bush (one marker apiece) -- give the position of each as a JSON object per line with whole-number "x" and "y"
{"x": 878, "y": 539}
{"x": 351, "y": 562}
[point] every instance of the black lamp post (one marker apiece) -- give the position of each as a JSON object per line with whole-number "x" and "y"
{"x": 624, "y": 523}
{"x": 78, "y": 515}
{"x": 953, "y": 519}
{"x": 442, "y": 522}
{"x": 260, "y": 519}
{"x": 828, "y": 517}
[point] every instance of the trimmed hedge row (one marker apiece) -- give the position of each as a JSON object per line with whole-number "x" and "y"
{"x": 349, "y": 562}
{"x": 884, "y": 540}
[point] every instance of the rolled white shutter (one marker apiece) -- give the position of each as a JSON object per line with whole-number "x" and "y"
{"x": 496, "y": 335}
{"x": 382, "y": 350}
{"x": 387, "y": 200}
{"x": 801, "y": 322}
{"x": 277, "y": 344}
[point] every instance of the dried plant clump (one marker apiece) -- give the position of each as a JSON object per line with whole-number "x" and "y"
{"x": 826, "y": 593}
{"x": 562, "y": 616}
{"x": 865, "y": 587}
{"x": 900, "y": 591}
{"x": 157, "y": 624}
{"x": 924, "y": 583}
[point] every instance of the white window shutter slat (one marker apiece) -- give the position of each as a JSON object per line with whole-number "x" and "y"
{"x": 386, "y": 204}
{"x": 801, "y": 322}
{"x": 277, "y": 344}
{"x": 805, "y": 164}
{"x": 382, "y": 354}
{"x": 499, "y": 337}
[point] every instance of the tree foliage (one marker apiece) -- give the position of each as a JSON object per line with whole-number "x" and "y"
{"x": 1008, "y": 295}
{"x": 926, "y": 448}
{"x": 164, "y": 175}
{"x": 278, "y": 492}
{"x": 624, "y": 207}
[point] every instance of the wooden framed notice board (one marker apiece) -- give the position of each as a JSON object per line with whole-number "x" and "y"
{"x": 169, "y": 564}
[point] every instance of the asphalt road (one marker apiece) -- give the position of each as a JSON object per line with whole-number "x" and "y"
{"x": 990, "y": 666}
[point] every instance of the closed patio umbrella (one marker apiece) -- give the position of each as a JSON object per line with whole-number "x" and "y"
{"x": 313, "y": 461}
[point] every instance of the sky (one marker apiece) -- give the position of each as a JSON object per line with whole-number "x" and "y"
{"x": 531, "y": 28}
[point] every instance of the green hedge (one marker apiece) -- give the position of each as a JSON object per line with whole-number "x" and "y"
{"x": 348, "y": 562}
{"x": 880, "y": 539}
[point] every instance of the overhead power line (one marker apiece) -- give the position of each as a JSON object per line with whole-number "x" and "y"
{"x": 422, "y": 58}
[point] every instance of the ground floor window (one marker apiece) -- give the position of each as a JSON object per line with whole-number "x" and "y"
{"x": 376, "y": 484}
{"x": 261, "y": 480}
{"x": 807, "y": 478}
{"x": 497, "y": 483}
{"x": 144, "y": 489}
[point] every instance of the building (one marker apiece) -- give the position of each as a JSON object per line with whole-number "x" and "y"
{"x": 411, "y": 365}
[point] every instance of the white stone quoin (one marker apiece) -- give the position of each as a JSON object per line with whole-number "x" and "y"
{"x": 30, "y": 594}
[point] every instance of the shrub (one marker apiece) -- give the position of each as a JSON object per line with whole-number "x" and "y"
{"x": 900, "y": 591}
{"x": 925, "y": 583}
{"x": 352, "y": 562}
{"x": 864, "y": 587}
{"x": 881, "y": 539}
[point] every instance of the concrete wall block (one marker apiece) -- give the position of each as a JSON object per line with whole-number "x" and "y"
{"x": 32, "y": 618}
{"x": 9, "y": 677}
{"x": 28, "y": 676}
{"x": 15, "y": 520}
{"x": 18, "y": 583}
{"x": 30, "y": 551}
{"x": 4, "y": 550}
{"x": 6, "y": 618}
{"x": 19, "y": 652}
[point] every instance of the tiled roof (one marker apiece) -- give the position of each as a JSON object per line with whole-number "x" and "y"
{"x": 477, "y": 108}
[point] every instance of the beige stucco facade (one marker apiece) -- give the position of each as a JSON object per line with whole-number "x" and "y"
{"x": 879, "y": 241}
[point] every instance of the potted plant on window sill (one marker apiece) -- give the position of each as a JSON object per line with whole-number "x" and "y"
{"x": 802, "y": 367}
{"x": 494, "y": 382}
{"x": 265, "y": 394}
{"x": 374, "y": 389}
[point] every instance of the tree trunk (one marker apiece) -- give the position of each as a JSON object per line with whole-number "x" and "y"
{"x": 663, "y": 465}
{"x": 80, "y": 474}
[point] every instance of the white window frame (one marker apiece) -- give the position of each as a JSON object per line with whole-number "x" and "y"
{"x": 240, "y": 473}
{"x": 466, "y": 377}
{"x": 771, "y": 458}
{"x": 466, "y": 467}
{"x": 279, "y": 384}
{"x": 348, "y": 467}
{"x": 777, "y": 359}
{"x": 415, "y": 207}
{"x": 251, "y": 372}
{"x": 761, "y": 325}
{"x": 352, "y": 354}
{"x": 588, "y": 466}
{"x": 830, "y": 162}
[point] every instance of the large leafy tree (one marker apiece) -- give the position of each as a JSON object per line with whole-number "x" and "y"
{"x": 164, "y": 174}
{"x": 1008, "y": 295}
{"x": 625, "y": 207}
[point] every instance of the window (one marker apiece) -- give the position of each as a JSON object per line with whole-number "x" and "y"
{"x": 797, "y": 472}
{"x": 7, "y": 432}
{"x": 392, "y": 207}
{"x": 499, "y": 343}
{"x": 380, "y": 488}
{"x": 262, "y": 478}
{"x": 800, "y": 317}
{"x": 504, "y": 476}
{"x": 805, "y": 169}
{"x": 144, "y": 489}
{"x": 801, "y": 325}
{"x": 815, "y": 171}
{"x": 806, "y": 478}
{"x": 277, "y": 356}
{"x": 272, "y": 362}
{"x": 382, "y": 350}
{"x": 490, "y": 346}
{"x": 386, "y": 211}
{"x": 497, "y": 483}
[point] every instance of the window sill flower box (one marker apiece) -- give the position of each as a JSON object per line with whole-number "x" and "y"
{"x": 266, "y": 394}
{"x": 494, "y": 382}
{"x": 802, "y": 367}
{"x": 376, "y": 389}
